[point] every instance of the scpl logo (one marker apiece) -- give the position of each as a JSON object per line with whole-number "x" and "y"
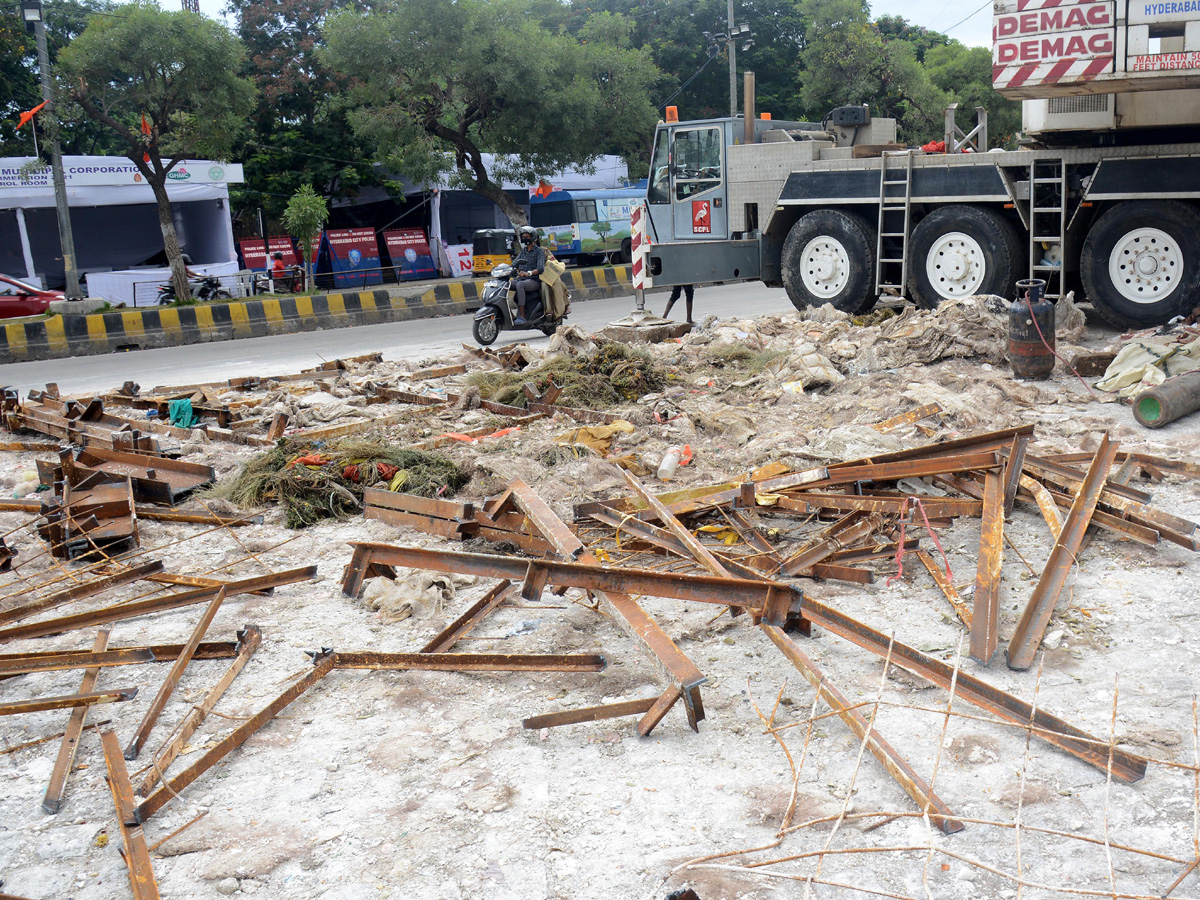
{"x": 701, "y": 218}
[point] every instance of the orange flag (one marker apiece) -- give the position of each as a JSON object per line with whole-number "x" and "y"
{"x": 145, "y": 131}
{"x": 28, "y": 116}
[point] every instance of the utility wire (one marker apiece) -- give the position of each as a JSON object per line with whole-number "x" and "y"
{"x": 693, "y": 78}
{"x": 986, "y": 4}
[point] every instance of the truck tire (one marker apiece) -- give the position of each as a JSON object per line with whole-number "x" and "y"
{"x": 1140, "y": 263}
{"x": 961, "y": 251}
{"x": 829, "y": 257}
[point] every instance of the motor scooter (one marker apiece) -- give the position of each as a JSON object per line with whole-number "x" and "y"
{"x": 207, "y": 287}
{"x": 500, "y": 308}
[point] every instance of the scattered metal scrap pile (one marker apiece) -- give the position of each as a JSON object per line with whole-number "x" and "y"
{"x": 714, "y": 544}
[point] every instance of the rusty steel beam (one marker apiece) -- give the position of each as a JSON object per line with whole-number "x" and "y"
{"x": 935, "y": 507}
{"x": 460, "y": 627}
{"x": 589, "y": 714}
{"x": 641, "y": 530}
{"x": 948, "y": 590}
{"x": 850, "y": 574}
{"x": 753, "y": 596}
{"x": 67, "y": 701}
{"x": 136, "y": 853}
{"x": 249, "y": 639}
{"x": 909, "y": 468}
{"x": 1045, "y": 502}
{"x": 833, "y": 539}
{"x": 1036, "y": 616}
{"x": 1012, "y": 470}
{"x": 990, "y": 441}
{"x": 158, "y": 653}
{"x": 566, "y": 544}
{"x": 1125, "y": 528}
{"x": 695, "y": 548}
{"x": 985, "y": 620}
{"x": 79, "y": 591}
{"x": 122, "y": 611}
{"x": 59, "y": 661}
{"x": 658, "y": 711}
{"x": 1126, "y": 766}
{"x": 471, "y": 662}
{"x": 913, "y": 784}
{"x": 172, "y": 680}
{"x": 913, "y": 415}
{"x": 323, "y": 665}
{"x": 66, "y": 750}
{"x": 1070, "y": 478}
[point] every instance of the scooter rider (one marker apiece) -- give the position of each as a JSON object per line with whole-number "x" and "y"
{"x": 530, "y": 264}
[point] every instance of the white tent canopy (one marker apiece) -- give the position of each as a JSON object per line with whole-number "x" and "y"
{"x": 114, "y": 217}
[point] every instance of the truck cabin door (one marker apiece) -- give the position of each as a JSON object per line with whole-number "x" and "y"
{"x": 698, "y": 185}
{"x": 687, "y": 192}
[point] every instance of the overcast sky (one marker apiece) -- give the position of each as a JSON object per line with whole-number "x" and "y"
{"x": 938, "y": 15}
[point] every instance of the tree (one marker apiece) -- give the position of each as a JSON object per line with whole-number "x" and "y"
{"x": 166, "y": 84}
{"x": 20, "y": 82}
{"x": 298, "y": 132}
{"x": 305, "y": 216}
{"x": 602, "y": 228}
{"x": 439, "y": 84}
{"x": 966, "y": 73}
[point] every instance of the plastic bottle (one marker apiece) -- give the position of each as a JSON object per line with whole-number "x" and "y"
{"x": 670, "y": 462}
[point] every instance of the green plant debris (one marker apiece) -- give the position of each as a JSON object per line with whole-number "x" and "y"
{"x": 316, "y": 482}
{"x": 743, "y": 359}
{"x": 615, "y": 373}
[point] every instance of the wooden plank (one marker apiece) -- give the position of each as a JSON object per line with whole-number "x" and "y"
{"x": 423, "y": 506}
{"x": 66, "y": 751}
{"x": 985, "y": 620}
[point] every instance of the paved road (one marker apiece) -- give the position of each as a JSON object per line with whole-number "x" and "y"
{"x": 287, "y": 353}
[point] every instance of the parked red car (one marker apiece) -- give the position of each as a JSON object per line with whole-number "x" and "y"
{"x": 17, "y": 298}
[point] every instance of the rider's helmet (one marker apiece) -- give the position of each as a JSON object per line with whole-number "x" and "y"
{"x": 278, "y": 254}
{"x": 526, "y": 234}
{"x": 187, "y": 260}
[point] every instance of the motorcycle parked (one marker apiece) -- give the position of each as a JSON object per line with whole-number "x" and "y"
{"x": 205, "y": 288}
{"x": 500, "y": 308}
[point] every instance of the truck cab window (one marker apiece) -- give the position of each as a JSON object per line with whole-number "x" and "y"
{"x": 697, "y": 161}
{"x": 660, "y": 171}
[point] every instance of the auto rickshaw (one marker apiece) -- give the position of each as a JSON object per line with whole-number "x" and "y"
{"x": 492, "y": 246}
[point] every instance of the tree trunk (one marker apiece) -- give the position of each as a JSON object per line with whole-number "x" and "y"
{"x": 158, "y": 183}
{"x": 504, "y": 200}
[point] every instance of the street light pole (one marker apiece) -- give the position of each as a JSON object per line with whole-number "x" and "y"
{"x": 732, "y": 65}
{"x": 31, "y": 12}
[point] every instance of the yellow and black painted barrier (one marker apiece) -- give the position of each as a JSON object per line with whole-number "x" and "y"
{"x": 142, "y": 328}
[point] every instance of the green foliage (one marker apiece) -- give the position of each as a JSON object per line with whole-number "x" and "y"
{"x": 602, "y": 227}
{"x": 966, "y": 74}
{"x": 177, "y": 69}
{"x": 305, "y": 216}
{"x": 299, "y": 133}
{"x": 436, "y": 84}
{"x": 20, "y": 82}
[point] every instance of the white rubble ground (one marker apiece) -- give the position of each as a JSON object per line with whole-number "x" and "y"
{"x": 425, "y": 786}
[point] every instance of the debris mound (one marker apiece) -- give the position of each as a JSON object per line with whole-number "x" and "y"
{"x": 316, "y": 482}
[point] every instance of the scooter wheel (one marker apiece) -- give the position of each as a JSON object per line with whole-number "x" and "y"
{"x": 486, "y": 330}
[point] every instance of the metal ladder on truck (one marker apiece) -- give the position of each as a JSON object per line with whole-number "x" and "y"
{"x": 1047, "y": 222}
{"x": 895, "y": 209}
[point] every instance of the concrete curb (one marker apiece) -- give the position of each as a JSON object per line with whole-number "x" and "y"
{"x": 137, "y": 329}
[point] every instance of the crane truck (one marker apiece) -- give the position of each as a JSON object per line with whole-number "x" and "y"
{"x": 1102, "y": 196}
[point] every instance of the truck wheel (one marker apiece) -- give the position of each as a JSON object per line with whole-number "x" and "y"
{"x": 625, "y": 256}
{"x": 1140, "y": 263}
{"x": 960, "y": 251}
{"x": 829, "y": 257}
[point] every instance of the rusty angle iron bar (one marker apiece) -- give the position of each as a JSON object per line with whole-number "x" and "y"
{"x": 590, "y": 714}
{"x": 249, "y": 639}
{"x": 913, "y": 784}
{"x": 985, "y": 619}
{"x": 157, "y": 800}
{"x": 172, "y": 680}
{"x": 471, "y": 662}
{"x": 133, "y": 840}
{"x": 754, "y": 596}
{"x": 1036, "y": 616}
{"x": 462, "y": 626}
{"x": 40, "y": 704}
{"x": 1125, "y": 766}
{"x": 60, "y": 661}
{"x": 70, "y": 743}
{"x": 123, "y": 611}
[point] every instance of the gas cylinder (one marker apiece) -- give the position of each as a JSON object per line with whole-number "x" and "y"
{"x": 1031, "y": 331}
